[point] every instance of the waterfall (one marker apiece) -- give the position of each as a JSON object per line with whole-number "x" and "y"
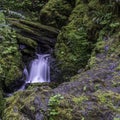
{"x": 40, "y": 70}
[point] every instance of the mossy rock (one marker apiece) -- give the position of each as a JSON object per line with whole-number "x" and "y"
{"x": 87, "y": 28}
{"x": 27, "y": 41}
{"x": 30, "y": 33}
{"x": 55, "y": 13}
{"x": 28, "y": 103}
{"x": 99, "y": 105}
{"x": 73, "y": 47}
{"x": 10, "y": 57}
{"x": 57, "y": 106}
{"x": 10, "y": 63}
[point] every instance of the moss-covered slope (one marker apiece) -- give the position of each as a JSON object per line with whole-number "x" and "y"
{"x": 88, "y": 21}
{"x": 10, "y": 57}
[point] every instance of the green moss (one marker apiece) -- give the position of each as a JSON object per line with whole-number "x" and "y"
{"x": 29, "y": 8}
{"x": 24, "y": 28}
{"x": 54, "y": 102}
{"x": 27, "y": 41}
{"x": 28, "y": 52}
{"x": 55, "y": 13}
{"x": 75, "y": 77}
{"x": 10, "y": 57}
{"x": 118, "y": 68}
{"x": 40, "y": 26}
{"x": 114, "y": 45}
{"x": 32, "y": 108}
{"x": 87, "y": 25}
{"x": 73, "y": 47}
{"x": 94, "y": 4}
{"x": 100, "y": 47}
{"x": 22, "y": 104}
{"x": 16, "y": 106}
{"x": 80, "y": 100}
{"x": 59, "y": 108}
{"x": 80, "y": 104}
{"x": 110, "y": 99}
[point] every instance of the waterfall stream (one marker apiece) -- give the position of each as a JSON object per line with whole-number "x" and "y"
{"x": 39, "y": 70}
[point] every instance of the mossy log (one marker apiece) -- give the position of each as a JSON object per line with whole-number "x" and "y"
{"x": 35, "y": 31}
{"x": 46, "y": 30}
{"x": 41, "y": 27}
{"x": 26, "y": 41}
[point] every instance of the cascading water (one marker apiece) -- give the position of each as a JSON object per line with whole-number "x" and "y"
{"x": 40, "y": 70}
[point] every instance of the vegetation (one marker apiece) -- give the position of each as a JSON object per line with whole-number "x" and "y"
{"x": 56, "y": 13}
{"x": 87, "y": 25}
{"x": 10, "y": 57}
{"x": 84, "y": 37}
{"x": 54, "y": 102}
{"x": 14, "y": 8}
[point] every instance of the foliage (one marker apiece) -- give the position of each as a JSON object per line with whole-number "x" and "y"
{"x": 54, "y": 101}
{"x": 10, "y": 13}
{"x": 90, "y": 22}
{"x": 109, "y": 98}
{"x": 31, "y": 5}
{"x": 80, "y": 100}
{"x": 55, "y": 13}
{"x": 19, "y": 8}
{"x": 101, "y": 18}
{"x": 10, "y": 57}
{"x": 73, "y": 47}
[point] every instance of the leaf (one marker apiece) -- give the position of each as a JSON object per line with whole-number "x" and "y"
{"x": 114, "y": 25}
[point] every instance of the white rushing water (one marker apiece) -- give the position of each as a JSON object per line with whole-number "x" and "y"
{"x": 40, "y": 70}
